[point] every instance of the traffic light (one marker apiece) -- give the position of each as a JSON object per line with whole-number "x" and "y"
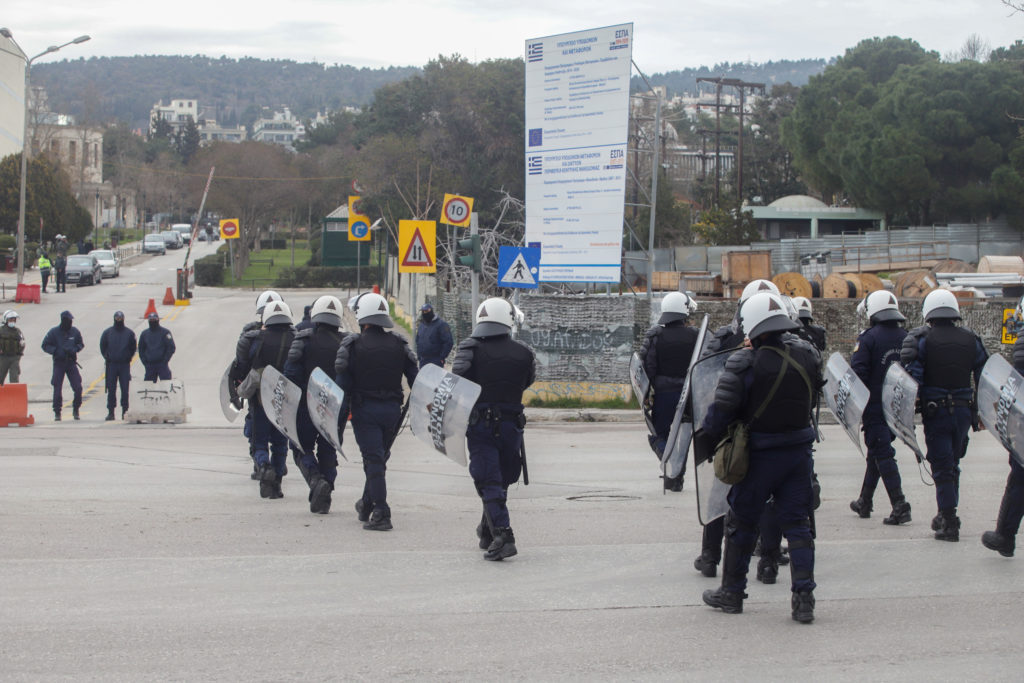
{"x": 472, "y": 258}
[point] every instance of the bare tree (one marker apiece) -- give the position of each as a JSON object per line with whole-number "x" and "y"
{"x": 1014, "y": 5}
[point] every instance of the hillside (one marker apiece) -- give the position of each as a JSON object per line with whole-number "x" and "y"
{"x": 100, "y": 90}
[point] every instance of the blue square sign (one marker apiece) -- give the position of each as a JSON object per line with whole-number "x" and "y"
{"x": 518, "y": 267}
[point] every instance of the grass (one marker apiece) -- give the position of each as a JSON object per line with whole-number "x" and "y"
{"x": 260, "y": 268}
{"x": 399, "y": 320}
{"x": 608, "y": 403}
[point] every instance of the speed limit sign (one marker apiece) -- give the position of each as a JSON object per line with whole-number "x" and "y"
{"x": 456, "y": 210}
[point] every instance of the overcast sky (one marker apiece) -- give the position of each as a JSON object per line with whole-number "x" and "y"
{"x": 374, "y": 33}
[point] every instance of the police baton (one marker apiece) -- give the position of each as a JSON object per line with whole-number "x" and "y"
{"x": 522, "y": 457}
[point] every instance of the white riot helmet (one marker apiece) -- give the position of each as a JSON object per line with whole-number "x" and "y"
{"x": 277, "y": 312}
{"x": 494, "y": 317}
{"x": 327, "y": 310}
{"x": 803, "y": 307}
{"x": 757, "y": 286}
{"x": 676, "y": 306}
{"x": 764, "y": 312}
{"x": 881, "y": 306}
{"x": 10, "y": 315}
{"x": 940, "y": 304}
{"x": 265, "y": 298}
{"x": 790, "y": 305}
{"x": 372, "y": 309}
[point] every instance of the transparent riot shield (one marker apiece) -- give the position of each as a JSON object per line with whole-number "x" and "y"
{"x": 899, "y": 394}
{"x": 280, "y": 398}
{"x": 641, "y": 384}
{"x": 1001, "y": 404}
{"x": 439, "y": 408}
{"x": 230, "y": 404}
{"x": 681, "y": 433}
{"x": 846, "y": 397}
{"x": 324, "y": 399}
{"x": 711, "y": 493}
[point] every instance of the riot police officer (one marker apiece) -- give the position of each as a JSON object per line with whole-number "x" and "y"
{"x": 1011, "y": 508}
{"x": 63, "y": 343}
{"x": 117, "y": 346}
{"x": 156, "y": 346}
{"x": 772, "y": 388}
{"x": 12, "y": 347}
{"x": 316, "y": 347}
{"x": 876, "y": 349}
{"x": 249, "y": 332}
{"x": 942, "y": 356}
{"x": 809, "y": 330}
{"x": 726, "y": 337}
{"x": 504, "y": 368}
{"x": 369, "y": 367}
{"x": 269, "y": 347}
{"x": 666, "y": 353}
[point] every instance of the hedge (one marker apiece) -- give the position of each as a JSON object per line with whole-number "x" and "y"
{"x": 321, "y": 276}
{"x": 210, "y": 270}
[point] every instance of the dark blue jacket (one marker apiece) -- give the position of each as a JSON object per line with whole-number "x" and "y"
{"x": 156, "y": 345}
{"x": 877, "y": 348}
{"x": 433, "y": 340}
{"x": 63, "y": 345}
{"x": 117, "y": 345}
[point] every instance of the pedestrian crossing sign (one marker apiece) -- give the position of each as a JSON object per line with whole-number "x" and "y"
{"x": 518, "y": 267}
{"x": 417, "y": 246}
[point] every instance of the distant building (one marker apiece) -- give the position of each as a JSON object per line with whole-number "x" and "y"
{"x": 802, "y": 216}
{"x": 176, "y": 113}
{"x": 211, "y": 131}
{"x": 12, "y": 97}
{"x": 279, "y": 128}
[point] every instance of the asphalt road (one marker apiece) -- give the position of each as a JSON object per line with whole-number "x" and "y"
{"x": 144, "y": 552}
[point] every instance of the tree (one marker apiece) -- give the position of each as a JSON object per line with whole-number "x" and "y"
{"x": 770, "y": 171}
{"x": 726, "y": 225}
{"x": 671, "y": 218}
{"x": 48, "y": 200}
{"x": 187, "y": 141}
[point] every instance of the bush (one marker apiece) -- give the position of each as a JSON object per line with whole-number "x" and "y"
{"x": 210, "y": 271}
{"x": 8, "y": 241}
{"x": 318, "y": 276}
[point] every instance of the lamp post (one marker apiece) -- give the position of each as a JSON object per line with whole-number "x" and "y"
{"x": 6, "y": 33}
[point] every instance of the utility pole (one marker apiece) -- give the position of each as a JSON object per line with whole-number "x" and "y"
{"x": 741, "y": 87}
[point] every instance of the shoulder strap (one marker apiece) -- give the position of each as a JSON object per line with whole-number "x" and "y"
{"x": 787, "y": 360}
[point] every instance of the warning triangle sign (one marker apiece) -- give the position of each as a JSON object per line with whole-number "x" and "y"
{"x": 519, "y": 272}
{"x": 417, "y": 255}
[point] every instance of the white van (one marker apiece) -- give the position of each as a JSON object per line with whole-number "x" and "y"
{"x": 185, "y": 230}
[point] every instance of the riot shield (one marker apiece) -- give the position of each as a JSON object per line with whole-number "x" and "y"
{"x": 280, "y": 399}
{"x": 846, "y": 397}
{"x": 228, "y": 398}
{"x": 439, "y": 408}
{"x": 324, "y": 399}
{"x": 711, "y": 493}
{"x": 681, "y": 433}
{"x": 1001, "y": 404}
{"x": 899, "y": 393}
{"x": 641, "y": 384}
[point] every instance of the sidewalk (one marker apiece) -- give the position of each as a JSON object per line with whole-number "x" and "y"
{"x": 9, "y": 281}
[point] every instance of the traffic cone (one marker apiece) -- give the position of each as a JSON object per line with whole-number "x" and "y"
{"x": 168, "y": 297}
{"x": 14, "y": 406}
{"x": 149, "y": 309}
{"x": 376, "y": 289}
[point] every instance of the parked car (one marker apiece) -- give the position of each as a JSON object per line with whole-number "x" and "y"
{"x": 84, "y": 269}
{"x": 185, "y": 230}
{"x": 154, "y": 243}
{"x": 172, "y": 239}
{"x": 203, "y": 236}
{"x": 109, "y": 263}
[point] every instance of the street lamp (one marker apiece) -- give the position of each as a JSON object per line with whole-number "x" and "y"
{"x": 6, "y": 33}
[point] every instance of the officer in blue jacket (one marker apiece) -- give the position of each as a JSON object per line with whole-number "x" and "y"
{"x": 942, "y": 356}
{"x": 369, "y": 368}
{"x": 433, "y": 338}
{"x": 1011, "y": 509}
{"x": 504, "y": 368}
{"x": 156, "y": 346}
{"x": 772, "y": 388}
{"x": 877, "y": 348}
{"x": 117, "y": 346}
{"x": 315, "y": 347}
{"x": 63, "y": 343}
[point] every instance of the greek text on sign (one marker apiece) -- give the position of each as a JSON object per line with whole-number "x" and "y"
{"x": 229, "y": 229}
{"x": 456, "y": 210}
{"x": 417, "y": 245}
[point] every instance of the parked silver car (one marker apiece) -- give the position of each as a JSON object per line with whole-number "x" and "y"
{"x": 109, "y": 263}
{"x": 84, "y": 269}
{"x": 154, "y": 243}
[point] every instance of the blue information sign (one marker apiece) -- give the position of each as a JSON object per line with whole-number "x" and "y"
{"x": 518, "y": 267}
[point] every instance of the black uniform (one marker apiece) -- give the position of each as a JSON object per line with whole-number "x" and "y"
{"x": 1011, "y": 508}
{"x": 504, "y": 368}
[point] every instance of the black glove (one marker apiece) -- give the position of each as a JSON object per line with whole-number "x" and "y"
{"x": 703, "y": 446}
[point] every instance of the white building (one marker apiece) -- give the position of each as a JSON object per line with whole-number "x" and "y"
{"x": 211, "y": 131}
{"x": 177, "y": 113}
{"x": 12, "y": 97}
{"x": 280, "y": 128}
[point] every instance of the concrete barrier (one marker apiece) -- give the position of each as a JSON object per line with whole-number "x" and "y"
{"x": 158, "y": 402}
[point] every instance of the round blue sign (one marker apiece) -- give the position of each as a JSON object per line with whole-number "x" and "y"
{"x": 360, "y": 229}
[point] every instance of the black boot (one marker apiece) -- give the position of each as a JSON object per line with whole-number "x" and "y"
{"x": 74, "y": 413}
{"x": 950, "y": 527}
{"x": 363, "y": 510}
{"x": 110, "y": 416}
{"x": 56, "y": 416}
{"x": 503, "y": 545}
{"x": 319, "y": 494}
{"x": 673, "y": 483}
{"x": 900, "y": 513}
{"x": 706, "y": 564}
{"x": 483, "y": 532}
{"x": 733, "y": 570}
{"x": 124, "y": 411}
{"x": 767, "y": 568}
{"x": 728, "y": 601}
{"x": 1011, "y": 509}
{"x": 803, "y": 607}
{"x": 266, "y": 479}
{"x": 862, "y": 506}
{"x": 937, "y": 522}
{"x": 275, "y": 491}
{"x": 1004, "y": 545}
{"x": 379, "y": 521}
